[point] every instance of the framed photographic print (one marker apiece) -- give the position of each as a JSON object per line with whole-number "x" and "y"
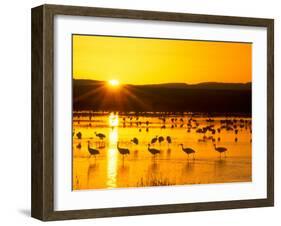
{"x": 141, "y": 112}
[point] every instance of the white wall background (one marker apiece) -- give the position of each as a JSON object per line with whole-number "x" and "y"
{"x": 15, "y": 86}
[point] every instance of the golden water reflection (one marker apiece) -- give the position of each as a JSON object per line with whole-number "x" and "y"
{"x": 112, "y": 158}
{"x": 109, "y": 169}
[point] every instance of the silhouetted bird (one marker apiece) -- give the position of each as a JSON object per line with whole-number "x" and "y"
{"x": 79, "y": 135}
{"x": 220, "y": 149}
{"x": 79, "y": 146}
{"x": 100, "y": 135}
{"x": 153, "y": 151}
{"x": 135, "y": 140}
{"x": 188, "y": 151}
{"x": 154, "y": 140}
{"x": 169, "y": 139}
{"x": 160, "y": 139}
{"x": 123, "y": 151}
{"x": 92, "y": 151}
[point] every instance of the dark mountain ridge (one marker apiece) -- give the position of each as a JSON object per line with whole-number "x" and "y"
{"x": 202, "y": 97}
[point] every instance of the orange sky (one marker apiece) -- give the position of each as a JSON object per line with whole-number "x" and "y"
{"x": 150, "y": 61}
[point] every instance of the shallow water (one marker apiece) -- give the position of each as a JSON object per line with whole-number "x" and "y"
{"x": 110, "y": 169}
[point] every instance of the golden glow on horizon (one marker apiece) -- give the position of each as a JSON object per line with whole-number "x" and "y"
{"x": 149, "y": 61}
{"x": 114, "y": 82}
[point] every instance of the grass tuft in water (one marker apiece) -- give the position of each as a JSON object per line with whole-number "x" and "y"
{"x": 153, "y": 181}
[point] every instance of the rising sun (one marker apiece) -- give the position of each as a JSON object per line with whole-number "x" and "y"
{"x": 114, "y": 82}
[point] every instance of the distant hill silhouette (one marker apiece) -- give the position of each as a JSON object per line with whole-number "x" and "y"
{"x": 207, "y": 97}
{"x": 204, "y": 85}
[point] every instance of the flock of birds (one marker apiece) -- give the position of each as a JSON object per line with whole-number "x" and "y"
{"x": 208, "y": 132}
{"x": 152, "y": 150}
{"x": 190, "y": 124}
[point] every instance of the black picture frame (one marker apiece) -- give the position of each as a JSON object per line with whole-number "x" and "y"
{"x": 42, "y": 203}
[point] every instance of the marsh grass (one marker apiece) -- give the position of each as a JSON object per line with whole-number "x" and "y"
{"x": 154, "y": 181}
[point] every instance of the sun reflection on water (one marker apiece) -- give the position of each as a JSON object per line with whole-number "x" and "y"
{"x": 112, "y": 153}
{"x": 113, "y": 120}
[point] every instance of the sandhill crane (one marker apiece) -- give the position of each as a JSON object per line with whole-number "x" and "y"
{"x": 92, "y": 151}
{"x": 169, "y": 140}
{"x": 123, "y": 151}
{"x": 79, "y": 135}
{"x": 154, "y": 140}
{"x": 135, "y": 140}
{"x": 160, "y": 139}
{"x": 153, "y": 151}
{"x": 188, "y": 151}
{"x": 79, "y": 146}
{"x": 220, "y": 149}
{"x": 100, "y": 135}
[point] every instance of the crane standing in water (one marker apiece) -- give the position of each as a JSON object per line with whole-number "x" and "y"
{"x": 79, "y": 146}
{"x": 153, "y": 151}
{"x": 220, "y": 150}
{"x": 79, "y": 135}
{"x": 188, "y": 151}
{"x": 160, "y": 139}
{"x": 169, "y": 140}
{"x": 154, "y": 140}
{"x": 123, "y": 151}
{"x": 92, "y": 151}
{"x": 135, "y": 141}
{"x": 101, "y": 136}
